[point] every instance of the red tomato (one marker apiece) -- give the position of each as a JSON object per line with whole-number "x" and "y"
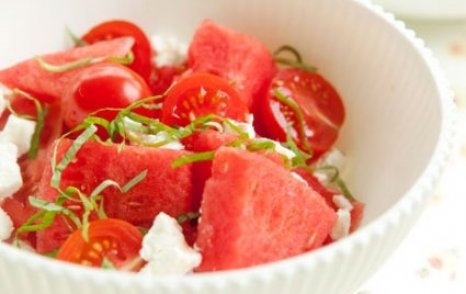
{"x": 201, "y": 94}
{"x": 119, "y": 28}
{"x": 114, "y": 239}
{"x": 102, "y": 86}
{"x": 321, "y": 106}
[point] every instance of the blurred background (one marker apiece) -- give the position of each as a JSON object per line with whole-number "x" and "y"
{"x": 433, "y": 257}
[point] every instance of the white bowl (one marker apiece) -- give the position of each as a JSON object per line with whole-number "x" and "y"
{"x": 396, "y": 135}
{"x": 426, "y": 9}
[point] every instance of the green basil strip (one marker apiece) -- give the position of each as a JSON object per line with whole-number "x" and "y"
{"x": 69, "y": 155}
{"x": 196, "y": 157}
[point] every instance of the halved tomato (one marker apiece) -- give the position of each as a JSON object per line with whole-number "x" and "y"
{"x": 201, "y": 94}
{"x": 100, "y": 86}
{"x": 114, "y": 240}
{"x": 120, "y": 28}
{"x": 321, "y": 107}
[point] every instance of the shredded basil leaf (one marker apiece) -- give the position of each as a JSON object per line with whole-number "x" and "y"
{"x": 303, "y": 66}
{"x": 290, "y": 49}
{"x": 299, "y": 115}
{"x": 125, "y": 60}
{"x": 40, "y": 120}
{"x": 190, "y": 158}
{"x": 128, "y": 186}
{"x": 344, "y": 190}
{"x": 297, "y": 63}
{"x": 69, "y": 155}
{"x": 107, "y": 264}
{"x": 51, "y": 254}
{"x": 236, "y": 129}
{"x": 330, "y": 168}
{"x": 76, "y": 40}
{"x": 188, "y": 216}
{"x": 64, "y": 67}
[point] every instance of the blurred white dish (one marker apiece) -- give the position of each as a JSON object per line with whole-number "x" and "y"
{"x": 396, "y": 136}
{"x": 426, "y": 9}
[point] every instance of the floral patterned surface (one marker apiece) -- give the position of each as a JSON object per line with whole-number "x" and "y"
{"x": 432, "y": 259}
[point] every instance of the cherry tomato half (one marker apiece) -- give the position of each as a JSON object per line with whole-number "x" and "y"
{"x": 113, "y": 239}
{"x": 119, "y": 28}
{"x": 104, "y": 85}
{"x": 201, "y": 94}
{"x": 322, "y": 110}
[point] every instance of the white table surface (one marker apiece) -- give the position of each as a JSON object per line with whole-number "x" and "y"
{"x": 432, "y": 259}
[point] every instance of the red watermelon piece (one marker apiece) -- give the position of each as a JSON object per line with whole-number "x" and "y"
{"x": 201, "y": 142}
{"x": 163, "y": 189}
{"x": 30, "y": 77}
{"x": 254, "y": 211}
{"x": 233, "y": 55}
{"x": 357, "y": 213}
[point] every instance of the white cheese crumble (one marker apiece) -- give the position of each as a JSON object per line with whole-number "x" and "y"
{"x": 334, "y": 158}
{"x": 169, "y": 51}
{"x": 2, "y": 102}
{"x": 342, "y": 202}
{"x": 165, "y": 249}
{"x": 4, "y": 91}
{"x": 18, "y": 131}
{"x": 6, "y": 225}
{"x": 299, "y": 178}
{"x": 160, "y": 137}
{"x": 279, "y": 148}
{"x": 343, "y": 224}
{"x": 246, "y": 127}
{"x": 10, "y": 173}
{"x": 136, "y": 129}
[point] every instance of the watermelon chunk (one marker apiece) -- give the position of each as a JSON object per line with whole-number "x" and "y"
{"x": 30, "y": 77}
{"x": 357, "y": 213}
{"x": 254, "y": 211}
{"x": 200, "y": 142}
{"x": 163, "y": 189}
{"x": 233, "y": 55}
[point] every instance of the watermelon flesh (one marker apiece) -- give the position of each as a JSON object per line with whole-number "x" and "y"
{"x": 30, "y": 77}
{"x": 163, "y": 189}
{"x": 254, "y": 211}
{"x": 233, "y": 55}
{"x": 208, "y": 140}
{"x": 357, "y": 212}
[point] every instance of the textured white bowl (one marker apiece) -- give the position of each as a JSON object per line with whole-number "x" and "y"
{"x": 397, "y": 133}
{"x": 426, "y": 9}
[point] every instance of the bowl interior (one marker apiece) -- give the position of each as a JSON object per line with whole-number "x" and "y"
{"x": 393, "y": 113}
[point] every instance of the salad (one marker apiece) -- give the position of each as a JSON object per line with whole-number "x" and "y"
{"x": 147, "y": 155}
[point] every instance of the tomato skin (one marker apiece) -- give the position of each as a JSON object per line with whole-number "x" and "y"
{"x": 201, "y": 94}
{"x": 322, "y": 108}
{"x": 120, "y": 28}
{"x": 102, "y": 86}
{"x": 114, "y": 239}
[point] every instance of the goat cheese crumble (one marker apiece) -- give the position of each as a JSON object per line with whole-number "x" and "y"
{"x": 134, "y": 128}
{"x": 6, "y": 225}
{"x": 246, "y": 127}
{"x": 10, "y": 172}
{"x": 165, "y": 249}
{"x": 334, "y": 157}
{"x": 343, "y": 224}
{"x": 2, "y": 100}
{"x": 169, "y": 51}
{"x": 18, "y": 131}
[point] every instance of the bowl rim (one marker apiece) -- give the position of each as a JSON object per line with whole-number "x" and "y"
{"x": 417, "y": 194}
